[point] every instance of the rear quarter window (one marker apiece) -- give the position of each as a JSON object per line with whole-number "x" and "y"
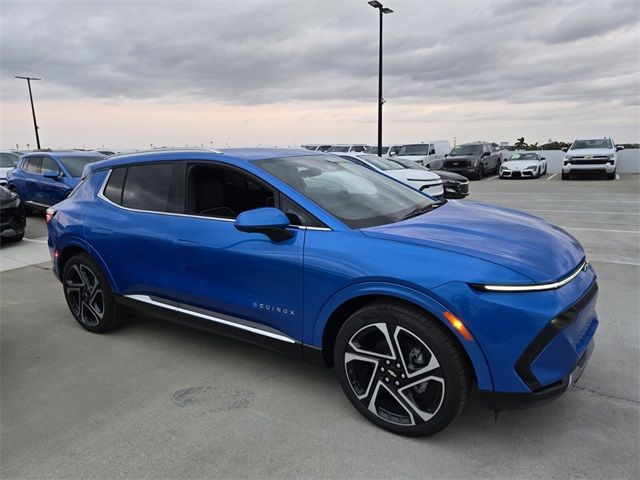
{"x": 113, "y": 190}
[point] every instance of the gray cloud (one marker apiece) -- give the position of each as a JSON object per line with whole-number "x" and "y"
{"x": 255, "y": 52}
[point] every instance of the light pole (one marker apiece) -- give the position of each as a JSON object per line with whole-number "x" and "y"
{"x": 33, "y": 110}
{"x": 383, "y": 10}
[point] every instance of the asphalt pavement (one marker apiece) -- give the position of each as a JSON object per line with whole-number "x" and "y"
{"x": 157, "y": 400}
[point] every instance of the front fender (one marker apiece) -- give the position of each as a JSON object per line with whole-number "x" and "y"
{"x": 402, "y": 292}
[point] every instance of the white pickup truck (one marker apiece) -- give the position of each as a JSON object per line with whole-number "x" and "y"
{"x": 589, "y": 155}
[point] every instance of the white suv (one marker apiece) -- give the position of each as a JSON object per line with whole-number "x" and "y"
{"x": 591, "y": 154}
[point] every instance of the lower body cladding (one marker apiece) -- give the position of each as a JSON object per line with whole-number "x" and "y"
{"x": 222, "y": 324}
{"x": 536, "y": 343}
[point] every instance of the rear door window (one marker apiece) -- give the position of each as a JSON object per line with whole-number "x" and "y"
{"x": 33, "y": 165}
{"x": 148, "y": 187}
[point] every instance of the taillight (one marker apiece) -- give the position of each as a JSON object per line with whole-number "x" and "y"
{"x": 50, "y": 214}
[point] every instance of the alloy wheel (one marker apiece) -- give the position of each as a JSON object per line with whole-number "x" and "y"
{"x": 394, "y": 374}
{"x": 84, "y": 295}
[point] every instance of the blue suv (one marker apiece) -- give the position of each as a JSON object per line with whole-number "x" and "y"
{"x": 42, "y": 179}
{"x": 413, "y": 301}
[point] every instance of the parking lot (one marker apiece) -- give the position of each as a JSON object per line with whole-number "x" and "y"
{"x": 153, "y": 399}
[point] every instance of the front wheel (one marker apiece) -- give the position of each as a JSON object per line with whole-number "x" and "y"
{"x": 611, "y": 176}
{"x": 89, "y": 296}
{"x": 480, "y": 172}
{"x": 565, "y": 176}
{"x": 401, "y": 369}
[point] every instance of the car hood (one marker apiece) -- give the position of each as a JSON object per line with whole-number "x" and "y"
{"x": 590, "y": 151}
{"x": 516, "y": 240}
{"x": 520, "y": 164}
{"x": 405, "y": 174}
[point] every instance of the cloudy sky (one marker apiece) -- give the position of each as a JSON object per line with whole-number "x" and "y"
{"x": 249, "y": 72}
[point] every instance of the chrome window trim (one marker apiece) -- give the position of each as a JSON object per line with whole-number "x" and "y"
{"x": 536, "y": 288}
{"x": 175, "y": 214}
{"x": 240, "y": 326}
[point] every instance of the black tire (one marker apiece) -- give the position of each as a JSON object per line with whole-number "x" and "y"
{"x": 89, "y": 296}
{"x": 390, "y": 389}
{"x": 480, "y": 172}
{"x": 611, "y": 176}
{"x": 565, "y": 176}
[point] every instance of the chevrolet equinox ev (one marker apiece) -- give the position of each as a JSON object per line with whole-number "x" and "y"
{"x": 413, "y": 301}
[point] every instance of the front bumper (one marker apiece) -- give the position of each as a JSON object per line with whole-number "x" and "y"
{"x": 456, "y": 189}
{"x": 517, "y": 401}
{"x": 517, "y": 173}
{"x": 531, "y": 340}
{"x": 587, "y": 167}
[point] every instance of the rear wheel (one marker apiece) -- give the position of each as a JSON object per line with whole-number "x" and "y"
{"x": 89, "y": 296}
{"x": 401, "y": 369}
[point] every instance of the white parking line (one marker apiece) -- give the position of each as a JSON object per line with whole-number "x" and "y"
{"x": 601, "y": 230}
{"x": 580, "y": 211}
{"x": 549, "y": 178}
{"x": 491, "y": 178}
{"x": 33, "y": 240}
{"x": 617, "y": 176}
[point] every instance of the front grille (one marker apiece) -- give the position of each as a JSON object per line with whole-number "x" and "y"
{"x": 456, "y": 163}
{"x": 588, "y": 162}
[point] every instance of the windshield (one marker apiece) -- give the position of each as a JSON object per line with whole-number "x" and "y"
{"x": 404, "y": 163}
{"x": 466, "y": 150}
{"x": 419, "y": 149}
{"x": 8, "y": 159}
{"x": 356, "y": 195}
{"x": 598, "y": 143}
{"x": 339, "y": 148}
{"x": 74, "y": 165}
{"x": 374, "y": 149}
{"x": 524, "y": 156}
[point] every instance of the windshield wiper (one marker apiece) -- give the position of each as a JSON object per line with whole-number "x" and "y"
{"x": 416, "y": 212}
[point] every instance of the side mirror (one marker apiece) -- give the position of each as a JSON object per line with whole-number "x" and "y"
{"x": 485, "y": 154}
{"x": 52, "y": 174}
{"x": 432, "y": 152}
{"x": 619, "y": 147}
{"x": 543, "y": 158}
{"x": 270, "y": 221}
{"x": 564, "y": 149}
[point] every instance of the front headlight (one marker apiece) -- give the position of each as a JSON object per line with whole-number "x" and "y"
{"x": 504, "y": 167}
{"x": 531, "y": 168}
{"x": 567, "y": 158}
{"x": 612, "y": 158}
{"x": 584, "y": 266}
